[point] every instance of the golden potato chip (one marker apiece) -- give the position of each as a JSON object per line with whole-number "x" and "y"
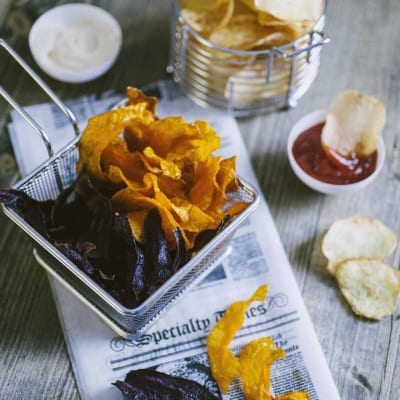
{"x": 175, "y": 139}
{"x": 370, "y": 287}
{"x": 207, "y": 17}
{"x": 292, "y": 396}
{"x": 133, "y": 164}
{"x": 225, "y": 367}
{"x": 249, "y": 4}
{"x": 177, "y": 212}
{"x": 293, "y": 30}
{"x": 136, "y": 222}
{"x": 172, "y": 187}
{"x": 99, "y": 133}
{"x": 135, "y": 96}
{"x": 243, "y": 7}
{"x": 166, "y": 167}
{"x": 204, "y": 182}
{"x": 291, "y": 10}
{"x": 236, "y": 208}
{"x": 135, "y": 203}
{"x": 243, "y": 32}
{"x": 356, "y": 237}
{"x": 256, "y": 359}
{"x": 248, "y": 86}
{"x": 354, "y": 124}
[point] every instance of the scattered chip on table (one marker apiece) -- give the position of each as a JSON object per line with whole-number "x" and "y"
{"x": 355, "y": 237}
{"x": 371, "y": 287}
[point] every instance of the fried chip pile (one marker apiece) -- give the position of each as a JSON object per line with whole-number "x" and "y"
{"x": 165, "y": 164}
{"x": 254, "y": 363}
{"x": 251, "y": 24}
{"x": 356, "y": 249}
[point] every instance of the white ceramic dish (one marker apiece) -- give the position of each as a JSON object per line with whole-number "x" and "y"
{"x": 303, "y": 124}
{"x": 75, "y": 42}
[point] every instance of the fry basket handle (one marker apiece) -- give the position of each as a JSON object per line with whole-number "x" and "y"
{"x": 39, "y": 81}
{"x": 322, "y": 39}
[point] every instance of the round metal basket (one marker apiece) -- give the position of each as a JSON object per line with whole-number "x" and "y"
{"x": 244, "y": 82}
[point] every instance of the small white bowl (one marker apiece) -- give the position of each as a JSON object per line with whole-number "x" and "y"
{"x": 75, "y": 42}
{"x": 307, "y": 122}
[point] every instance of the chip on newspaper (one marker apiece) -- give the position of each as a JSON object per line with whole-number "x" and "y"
{"x": 253, "y": 365}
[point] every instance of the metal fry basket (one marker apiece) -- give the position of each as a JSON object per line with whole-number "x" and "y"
{"x": 48, "y": 180}
{"x": 244, "y": 82}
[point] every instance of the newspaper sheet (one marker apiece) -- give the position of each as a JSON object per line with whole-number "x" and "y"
{"x": 176, "y": 343}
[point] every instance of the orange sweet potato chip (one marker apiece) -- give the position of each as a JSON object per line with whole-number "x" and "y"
{"x": 255, "y": 360}
{"x": 225, "y": 367}
{"x": 292, "y": 396}
{"x": 255, "y": 367}
{"x": 136, "y": 96}
{"x": 166, "y": 164}
{"x": 102, "y": 130}
{"x": 205, "y": 182}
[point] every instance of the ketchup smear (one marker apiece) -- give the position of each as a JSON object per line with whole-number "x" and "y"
{"x": 326, "y": 166}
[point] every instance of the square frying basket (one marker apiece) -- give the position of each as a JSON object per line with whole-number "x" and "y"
{"x": 56, "y": 174}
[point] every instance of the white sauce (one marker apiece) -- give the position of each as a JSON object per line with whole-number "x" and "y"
{"x": 76, "y": 46}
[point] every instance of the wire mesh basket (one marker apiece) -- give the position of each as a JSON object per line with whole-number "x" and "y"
{"x": 56, "y": 174}
{"x": 244, "y": 82}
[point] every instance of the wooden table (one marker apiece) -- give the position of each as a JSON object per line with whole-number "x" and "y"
{"x": 364, "y": 357}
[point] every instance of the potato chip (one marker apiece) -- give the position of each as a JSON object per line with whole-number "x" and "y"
{"x": 293, "y": 29}
{"x": 206, "y": 17}
{"x": 225, "y": 367}
{"x": 243, "y": 32}
{"x": 291, "y": 10}
{"x": 356, "y": 237}
{"x": 243, "y": 7}
{"x": 249, "y": 4}
{"x": 248, "y": 86}
{"x": 370, "y": 287}
{"x": 354, "y": 124}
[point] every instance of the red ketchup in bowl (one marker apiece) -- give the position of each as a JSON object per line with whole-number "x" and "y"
{"x": 327, "y": 165}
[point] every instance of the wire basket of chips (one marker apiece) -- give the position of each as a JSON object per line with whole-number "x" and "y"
{"x": 50, "y": 181}
{"x": 229, "y": 55}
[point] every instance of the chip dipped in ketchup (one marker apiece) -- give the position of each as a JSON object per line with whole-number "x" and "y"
{"x": 325, "y": 164}
{"x": 324, "y": 170}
